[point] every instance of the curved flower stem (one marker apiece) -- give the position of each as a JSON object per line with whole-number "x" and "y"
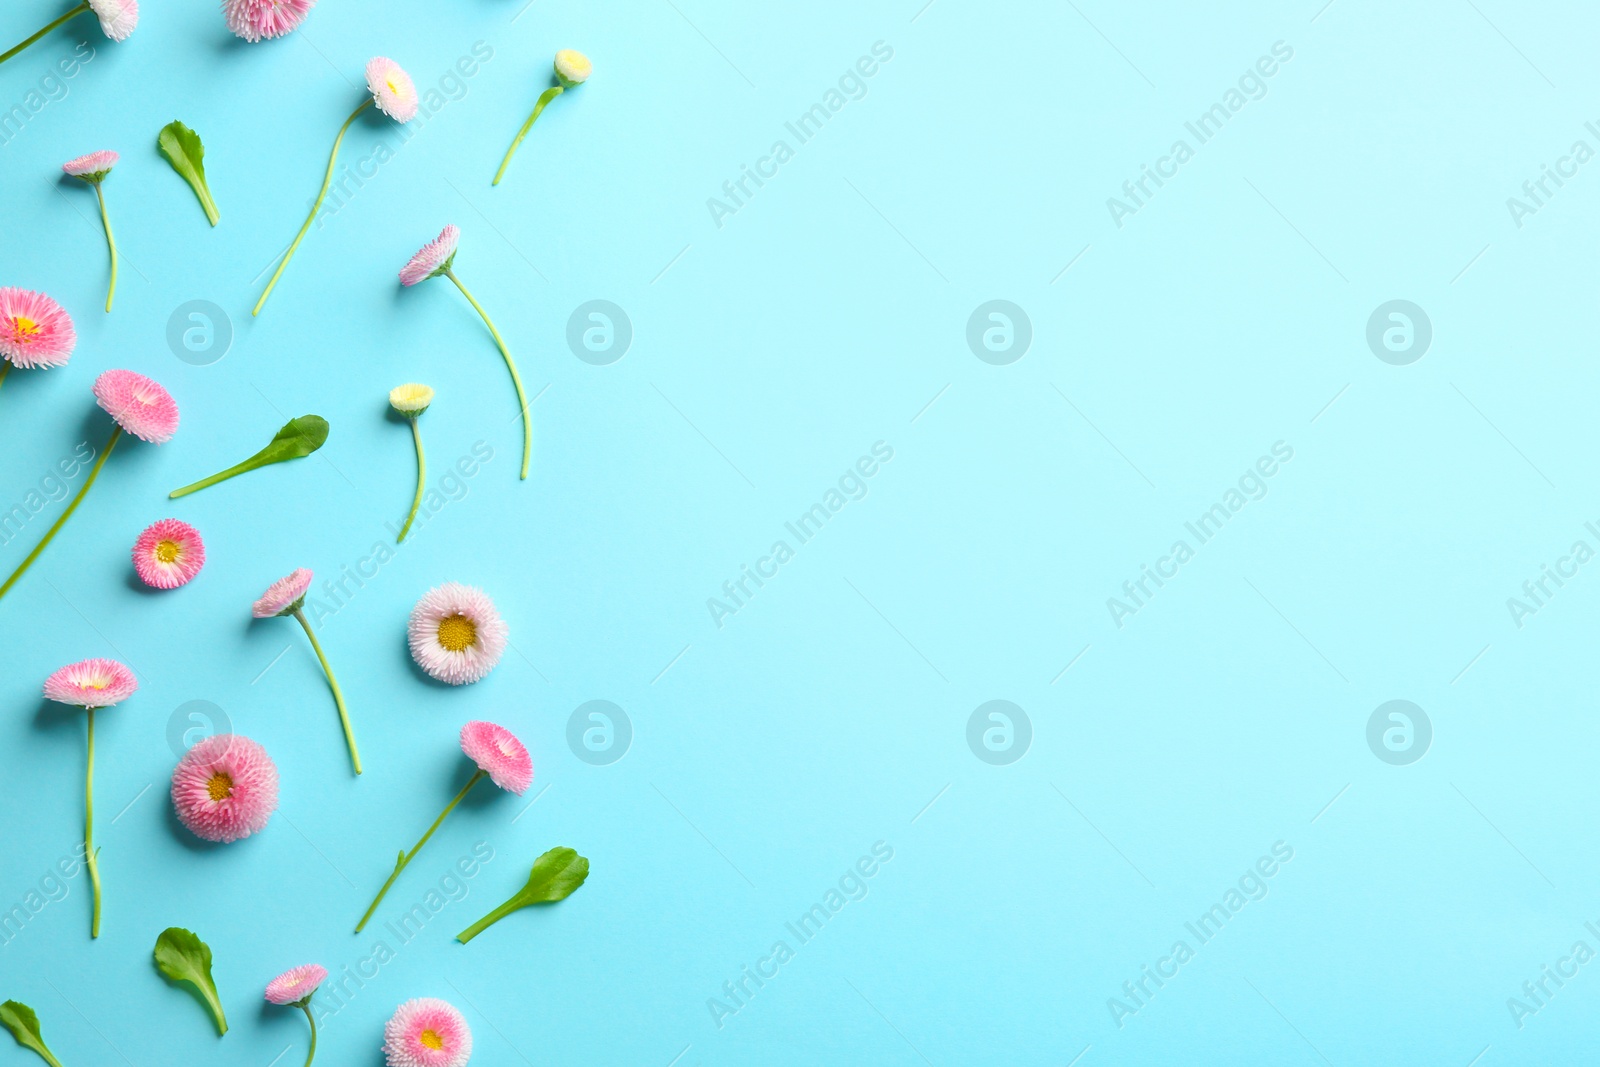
{"x": 407, "y": 857}
{"x": 305, "y": 1006}
{"x": 544, "y": 98}
{"x": 88, "y": 832}
{"x": 422, "y": 478}
{"x": 516, "y": 379}
{"x": 94, "y": 473}
{"x": 327, "y": 180}
{"x": 74, "y": 13}
{"x": 338, "y": 697}
{"x": 111, "y": 243}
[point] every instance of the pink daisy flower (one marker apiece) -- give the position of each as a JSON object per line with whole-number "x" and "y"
{"x": 434, "y": 257}
{"x": 391, "y": 89}
{"x": 284, "y": 596}
{"x": 168, "y": 554}
{"x": 225, "y": 788}
{"x": 296, "y": 984}
{"x": 35, "y": 331}
{"x": 138, "y": 404}
{"x": 91, "y": 683}
{"x": 255, "y": 20}
{"x": 92, "y": 167}
{"x": 427, "y": 1032}
{"x": 117, "y": 17}
{"x": 455, "y": 633}
{"x": 499, "y": 754}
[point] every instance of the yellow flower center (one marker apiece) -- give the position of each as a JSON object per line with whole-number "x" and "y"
{"x": 23, "y": 329}
{"x": 167, "y": 551}
{"x": 457, "y": 633}
{"x": 220, "y": 786}
{"x": 431, "y": 1039}
{"x": 395, "y": 89}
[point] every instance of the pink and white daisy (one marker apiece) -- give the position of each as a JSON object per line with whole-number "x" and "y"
{"x": 391, "y": 89}
{"x": 427, "y": 1032}
{"x": 255, "y": 20}
{"x": 225, "y": 788}
{"x": 499, "y": 754}
{"x": 139, "y": 404}
{"x": 117, "y": 17}
{"x": 284, "y": 596}
{"x": 35, "y": 331}
{"x": 92, "y": 167}
{"x": 91, "y": 683}
{"x": 433, "y": 259}
{"x": 455, "y": 633}
{"x": 296, "y": 984}
{"x": 168, "y": 554}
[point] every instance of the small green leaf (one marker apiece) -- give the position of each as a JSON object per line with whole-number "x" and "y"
{"x": 183, "y": 957}
{"x": 556, "y": 875}
{"x": 24, "y": 1026}
{"x": 299, "y": 437}
{"x": 183, "y": 150}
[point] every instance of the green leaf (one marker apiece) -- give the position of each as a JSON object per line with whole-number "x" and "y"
{"x": 556, "y": 875}
{"x": 183, "y": 957}
{"x": 183, "y": 150}
{"x": 24, "y": 1026}
{"x": 299, "y": 437}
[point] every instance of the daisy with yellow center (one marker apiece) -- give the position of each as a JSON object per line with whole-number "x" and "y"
{"x": 410, "y": 401}
{"x": 455, "y": 634}
{"x": 168, "y": 554}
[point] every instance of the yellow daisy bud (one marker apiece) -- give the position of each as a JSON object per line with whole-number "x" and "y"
{"x": 410, "y": 399}
{"x": 572, "y": 67}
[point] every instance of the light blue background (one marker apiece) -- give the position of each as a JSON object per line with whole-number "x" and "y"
{"x": 830, "y": 713}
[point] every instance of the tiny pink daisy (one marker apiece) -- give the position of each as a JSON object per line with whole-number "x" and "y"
{"x": 296, "y": 984}
{"x": 434, "y": 257}
{"x": 225, "y": 788}
{"x": 168, "y": 554}
{"x": 455, "y": 633}
{"x": 391, "y": 89}
{"x": 499, "y": 754}
{"x": 92, "y": 167}
{"x": 255, "y": 20}
{"x": 138, "y": 404}
{"x": 35, "y": 331}
{"x": 284, "y": 596}
{"x": 427, "y": 1032}
{"x": 117, "y": 17}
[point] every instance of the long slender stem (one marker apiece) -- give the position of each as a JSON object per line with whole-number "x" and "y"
{"x": 305, "y": 1006}
{"x": 94, "y": 473}
{"x": 75, "y": 12}
{"x": 111, "y": 243}
{"x": 220, "y": 476}
{"x": 88, "y": 832}
{"x": 5, "y": 369}
{"x": 516, "y": 379}
{"x": 544, "y": 98}
{"x": 406, "y": 857}
{"x": 327, "y": 180}
{"x": 422, "y": 478}
{"x": 338, "y": 697}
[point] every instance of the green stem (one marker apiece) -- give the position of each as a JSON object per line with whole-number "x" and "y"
{"x": 407, "y": 857}
{"x": 544, "y": 98}
{"x": 5, "y": 369}
{"x": 422, "y": 478}
{"x": 338, "y": 697}
{"x": 489, "y": 920}
{"x": 516, "y": 379}
{"x": 111, "y": 243}
{"x": 220, "y": 476}
{"x": 327, "y": 180}
{"x": 305, "y": 1006}
{"x": 65, "y": 515}
{"x": 75, "y": 12}
{"x": 88, "y": 832}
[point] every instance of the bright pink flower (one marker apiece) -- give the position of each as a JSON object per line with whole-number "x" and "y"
{"x": 168, "y": 554}
{"x": 427, "y": 1032}
{"x": 257, "y": 19}
{"x": 225, "y": 788}
{"x": 92, "y": 167}
{"x": 296, "y": 984}
{"x": 284, "y": 596}
{"x": 91, "y": 683}
{"x": 35, "y": 331}
{"x": 139, "y": 405}
{"x": 117, "y": 17}
{"x": 434, "y": 257}
{"x": 391, "y": 89}
{"x": 455, "y": 633}
{"x": 497, "y": 751}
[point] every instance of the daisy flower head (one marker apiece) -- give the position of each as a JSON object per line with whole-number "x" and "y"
{"x": 284, "y": 596}
{"x": 225, "y": 788}
{"x": 572, "y": 67}
{"x": 168, "y": 554}
{"x": 455, "y": 634}
{"x": 117, "y": 17}
{"x": 91, "y": 683}
{"x": 433, "y": 259}
{"x": 35, "y": 331}
{"x": 92, "y": 167}
{"x": 296, "y": 984}
{"x": 427, "y": 1032}
{"x": 499, "y": 754}
{"x": 391, "y": 89}
{"x": 411, "y": 399}
{"x": 255, "y": 20}
{"x": 139, "y": 405}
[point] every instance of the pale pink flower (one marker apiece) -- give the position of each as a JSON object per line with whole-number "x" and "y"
{"x": 168, "y": 554}
{"x": 139, "y": 405}
{"x": 499, "y": 754}
{"x": 225, "y": 788}
{"x": 117, "y": 17}
{"x": 91, "y": 683}
{"x": 296, "y": 984}
{"x": 92, "y": 167}
{"x": 391, "y": 89}
{"x": 284, "y": 596}
{"x": 434, "y": 257}
{"x": 35, "y": 331}
{"x": 427, "y": 1032}
{"x": 255, "y": 20}
{"x": 455, "y": 633}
